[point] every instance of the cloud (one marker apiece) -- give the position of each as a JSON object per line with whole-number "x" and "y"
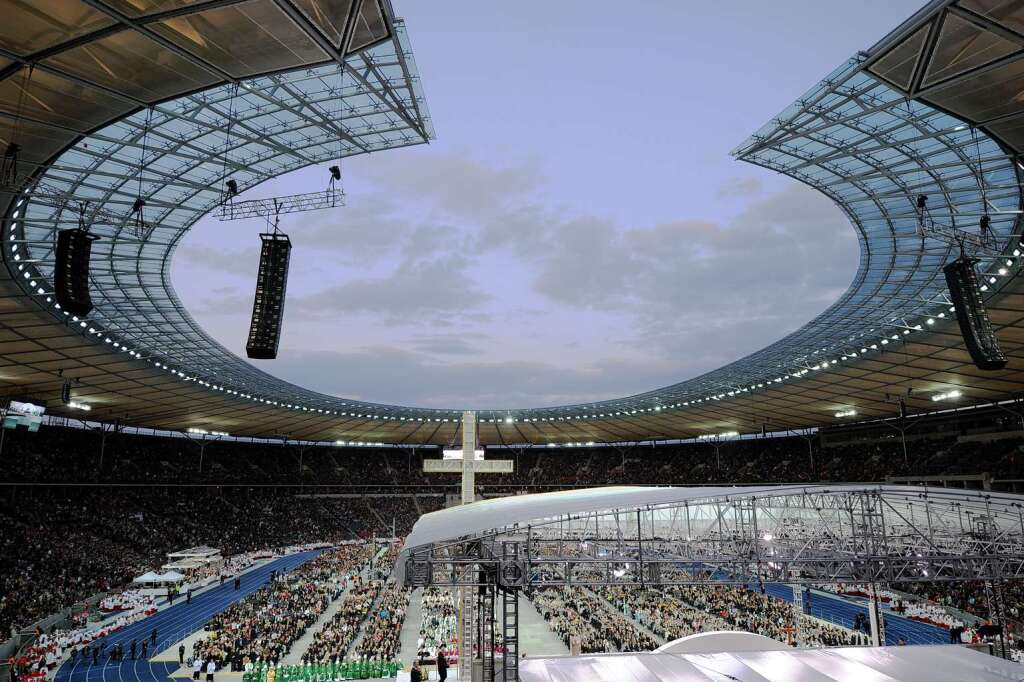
{"x": 468, "y": 343}
{"x": 226, "y": 301}
{"x": 782, "y": 261}
{"x": 739, "y": 188}
{"x": 243, "y": 262}
{"x": 452, "y": 282}
{"x": 390, "y": 375}
{"x": 415, "y": 289}
{"x": 456, "y": 183}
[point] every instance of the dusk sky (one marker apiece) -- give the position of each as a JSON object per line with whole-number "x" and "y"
{"x": 578, "y": 230}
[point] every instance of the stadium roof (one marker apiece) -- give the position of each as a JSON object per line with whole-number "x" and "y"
{"x": 112, "y": 100}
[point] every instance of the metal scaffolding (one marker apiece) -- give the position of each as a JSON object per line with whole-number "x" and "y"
{"x": 292, "y": 203}
{"x": 799, "y": 535}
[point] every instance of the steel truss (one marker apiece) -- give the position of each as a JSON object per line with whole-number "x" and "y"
{"x": 795, "y": 535}
{"x": 292, "y": 203}
{"x": 873, "y": 535}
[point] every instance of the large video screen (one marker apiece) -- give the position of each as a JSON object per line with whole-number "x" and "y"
{"x": 28, "y": 415}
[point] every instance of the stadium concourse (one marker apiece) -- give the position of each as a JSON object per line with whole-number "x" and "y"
{"x": 842, "y": 504}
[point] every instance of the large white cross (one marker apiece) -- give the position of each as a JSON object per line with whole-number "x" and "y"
{"x": 469, "y": 461}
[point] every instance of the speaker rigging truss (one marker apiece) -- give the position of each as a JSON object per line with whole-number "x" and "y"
{"x": 91, "y": 212}
{"x": 332, "y": 197}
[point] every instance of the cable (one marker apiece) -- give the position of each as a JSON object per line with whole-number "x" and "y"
{"x": 227, "y": 136}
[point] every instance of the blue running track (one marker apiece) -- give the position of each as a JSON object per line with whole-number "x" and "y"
{"x": 841, "y": 611}
{"x": 172, "y": 625}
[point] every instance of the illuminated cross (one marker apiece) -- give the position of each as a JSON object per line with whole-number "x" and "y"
{"x": 469, "y": 460}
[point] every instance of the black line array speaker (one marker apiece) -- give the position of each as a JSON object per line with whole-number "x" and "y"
{"x": 71, "y": 271}
{"x": 975, "y": 326}
{"x": 268, "y": 306}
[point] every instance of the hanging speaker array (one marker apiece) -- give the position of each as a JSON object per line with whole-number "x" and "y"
{"x": 975, "y": 326}
{"x": 268, "y": 305}
{"x": 71, "y": 271}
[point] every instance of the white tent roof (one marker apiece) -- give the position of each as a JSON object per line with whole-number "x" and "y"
{"x": 171, "y": 576}
{"x": 486, "y": 515}
{"x": 717, "y": 641}
{"x": 183, "y": 563}
{"x": 148, "y": 577}
{"x": 202, "y": 551}
{"x": 852, "y": 664}
{"x": 495, "y": 515}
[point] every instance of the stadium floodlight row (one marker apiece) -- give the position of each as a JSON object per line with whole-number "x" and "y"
{"x": 875, "y": 135}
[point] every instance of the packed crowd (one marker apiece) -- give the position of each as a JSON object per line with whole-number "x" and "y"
{"x": 333, "y": 640}
{"x": 579, "y": 619}
{"x": 116, "y": 534}
{"x": 48, "y": 649}
{"x": 383, "y": 628}
{"x": 751, "y": 611}
{"x": 134, "y": 528}
{"x": 264, "y": 625}
{"x": 661, "y": 613}
{"x": 64, "y": 455}
{"x": 678, "y": 611}
{"x": 128, "y": 600}
{"x": 439, "y": 632}
{"x": 374, "y": 603}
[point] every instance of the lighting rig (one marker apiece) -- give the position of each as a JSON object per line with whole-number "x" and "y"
{"x": 331, "y": 197}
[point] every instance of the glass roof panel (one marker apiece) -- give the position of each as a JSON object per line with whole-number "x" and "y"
{"x": 874, "y": 159}
{"x": 963, "y": 46}
{"x": 243, "y": 39}
{"x": 329, "y": 15}
{"x": 1009, "y": 13}
{"x": 130, "y": 62}
{"x": 49, "y": 98}
{"x": 29, "y": 26}
{"x": 280, "y": 126}
{"x": 897, "y": 66}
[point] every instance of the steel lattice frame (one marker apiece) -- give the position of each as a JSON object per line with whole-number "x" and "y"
{"x": 863, "y": 142}
{"x": 791, "y": 534}
{"x": 180, "y": 153}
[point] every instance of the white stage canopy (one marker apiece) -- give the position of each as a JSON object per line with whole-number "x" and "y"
{"x": 148, "y": 577}
{"x": 202, "y": 553}
{"x": 183, "y": 565}
{"x": 851, "y": 664}
{"x": 498, "y": 513}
